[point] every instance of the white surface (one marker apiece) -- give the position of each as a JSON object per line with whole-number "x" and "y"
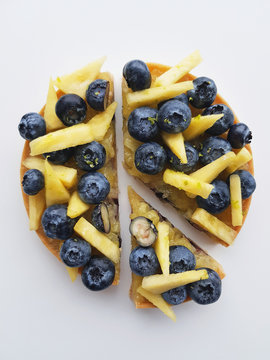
{"x": 42, "y": 314}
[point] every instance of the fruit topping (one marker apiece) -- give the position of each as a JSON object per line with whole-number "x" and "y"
{"x": 183, "y": 98}
{"x": 175, "y": 296}
{"x": 93, "y": 188}
{"x": 218, "y": 200}
{"x": 236, "y": 200}
{"x": 37, "y": 205}
{"x": 71, "y": 109}
{"x": 98, "y": 274}
{"x": 143, "y": 261}
{"x": 75, "y": 252}
{"x": 241, "y": 158}
{"x": 162, "y": 246}
{"x": 224, "y": 123}
{"x": 97, "y": 94}
{"x": 31, "y": 126}
{"x": 150, "y": 158}
{"x": 33, "y": 182}
{"x": 239, "y": 135}
{"x": 142, "y": 124}
{"x": 137, "y": 75}
{"x": 248, "y": 183}
{"x": 72, "y": 272}
{"x": 50, "y": 117}
{"x": 100, "y": 218}
{"x": 174, "y": 116}
{"x": 90, "y": 157}
{"x": 176, "y": 144}
{"x": 143, "y": 230}
{"x": 199, "y": 124}
{"x": 76, "y": 206}
{"x": 59, "y": 157}
{"x": 203, "y": 93}
{"x": 181, "y": 259}
{"x": 213, "y": 148}
{"x": 192, "y": 159}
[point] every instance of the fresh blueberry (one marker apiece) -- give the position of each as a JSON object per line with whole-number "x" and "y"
{"x": 98, "y": 274}
{"x": 150, "y": 158}
{"x": 31, "y": 126}
{"x": 90, "y": 157}
{"x": 137, "y": 75}
{"x": 183, "y": 98}
{"x": 239, "y": 135}
{"x": 174, "y": 116}
{"x": 206, "y": 291}
{"x": 213, "y": 148}
{"x": 175, "y": 296}
{"x": 56, "y": 224}
{"x": 181, "y": 259}
{"x": 218, "y": 200}
{"x": 71, "y": 109}
{"x": 143, "y": 261}
{"x": 75, "y": 252}
{"x": 93, "y": 188}
{"x": 97, "y": 94}
{"x": 100, "y": 218}
{"x": 203, "y": 94}
{"x": 59, "y": 157}
{"x": 142, "y": 124}
{"x": 192, "y": 159}
{"x": 248, "y": 183}
{"x": 222, "y": 124}
{"x": 33, "y": 182}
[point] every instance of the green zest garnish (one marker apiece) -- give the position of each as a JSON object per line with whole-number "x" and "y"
{"x": 167, "y": 121}
{"x": 97, "y": 92}
{"x": 152, "y": 120}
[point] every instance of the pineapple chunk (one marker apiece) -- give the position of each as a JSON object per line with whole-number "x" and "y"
{"x": 78, "y": 81}
{"x": 68, "y": 176}
{"x": 213, "y": 225}
{"x": 98, "y": 240}
{"x": 72, "y": 272}
{"x": 55, "y": 191}
{"x": 75, "y": 135}
{"x": 236, "y": 200}
{"x": 178, "y": 71}
{"x": 162, "y": 246}
{"x": 148, "y": 96}
{"x": 199, "y": 124}
{"x": 159, "y": 302}
{"x": 37, "y": 205}
{"x": 158, "y": 284}
{"x": 176, "y": 143}
{"x": 76, "y": 206}
{"x": 243, "y": 157}
{"x": 187, "y": 183}
{"x": 51, "y": 119}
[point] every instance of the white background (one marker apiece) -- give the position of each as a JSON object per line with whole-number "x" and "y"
{"x": 42, "y": 314}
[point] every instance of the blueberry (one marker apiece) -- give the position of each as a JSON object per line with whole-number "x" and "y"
{"x": 203, "y": 94}
{"x": 192, "y": 159}
{"x": 218, "y": 200}
{"x": 90, "y": 157}
{"x": 183, "y": 98}
{"x": 56, "y": 224}
{"x": 213, "y": 148}
{"x": 174, "y": 116}
{"x": 181, "y": 259}
{"x": 71, "y": 109}
{"x": 206, "y": 291}
{"x": 175, "y": 296}
{"x": 222, "y": 124}
{"x": 142, "y": 124}
{"x": 97, "y": 94}
{"x": 33, "y": 182}
{"x": 31, "y": 126}
{"x": 150, "y": 158}
{"x": 143, "y": 261}
{"x": 98, "y": 274}
{"x": 239, "y": 135}
{"x": 59, "y": 157}
{"x": 75, "y": 252}
{"x": 137, "y": 75}
{"x": 93, "y": 188}
{"x": 100, "y": 218}
{"x": 248, "y": 183}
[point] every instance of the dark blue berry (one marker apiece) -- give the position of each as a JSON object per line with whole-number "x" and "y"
{"x": 75, "y": 252}
{"x": 93, "y": 188}
{"x": 181, "y": 259}
{"x": 248, "y": 183}
{"x": 222, "y": 124}
{"x": 203, "y": 94}
{"x": 174, "y": 116}
{"x": 183, "y": 98}
{"x": 192, "y": 159}
{"x": 98, "y": 274}
{"x": 175, "y": 296}
{"x": 137, "y": 75}
{"x": 150, "y": 158}
{"x": 218, "y": 200}
{"x": 142, "y": 124}
{"x": 59, "y": 157}
{"x": 213, "y": 148}
{"x": 100, "y": 218}
{"x": 143, "y": 261}
{"x": 97, "y": 94}
{"x": 33, "y": 182}
{"x": 71, "y": 109}
{"x": 90, "y": 157}
{"x": 239, "y": 135}
{"x": 31, "y": 126}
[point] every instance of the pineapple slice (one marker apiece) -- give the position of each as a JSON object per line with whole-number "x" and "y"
{"x": 159, "y": 302}
{"x": 243, "y": 157}
{"x": 213, "y": 225}
{"x": 158, "y": 284}
{"x": 98, "y": 240}
{"x": 236, "y": 200}
{"x": 55, "y": 191}
{"x": 148, "y": 96}
{"x": 199, "y": 124}
{"x": 68, "y": 176}
{"x": 178, "y": 71}
{"x": 75, "y": 135}
{"x": 187, "y": 183}
{"x": 73, "y": 273}
{"x": 162, "y": 246}
{"x": 176, "y": 143}
{"x": 78, "y": 81}
{"x": 37, "y": 205}
{"x": 51, "y": 119}
{"x": 76, "y": 206}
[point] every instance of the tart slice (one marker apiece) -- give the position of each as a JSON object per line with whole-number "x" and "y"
{"x": 164, "y": 262}
{"x": 69, "y": 175}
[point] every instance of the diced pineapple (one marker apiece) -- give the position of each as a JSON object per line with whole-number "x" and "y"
{"x": 243, "y": 157}
{"x": 78, "y": 81}
{"x": 159, "y": 302}
{"x": 76, "y": 206}
{"x": 158, "y": 284}
{"x": 97, "y": 239}
{"x": 72, "y": 272}
{"x": 162, "y": 246}
{"x": 51, "y": 119}
{"x": 187, "y": 183}
{"x": 213, "y": 225}
{"x": 75, "y": 135}
{"x": 199, "y": 124}
{"x": 236, "y": 200}
{"x": 176, "y": 143}
{"x": 178, "y": 71}
{"x": 37, "y": 205}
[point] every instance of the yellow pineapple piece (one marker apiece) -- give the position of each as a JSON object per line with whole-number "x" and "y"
{"x": 176, "y": 143}
{"x": 159, "y": 302}
{"x": 72, "y": 272}
{"x": 51, "y": 119}
{"x": 76, "y": 206}
{"x": 199, "y": 124}
{"x": 98, "y": 240}
{"x": 236, "y": 200}
{"x": 243, "y": 157}
{"x": 37, "y": 205}
{"x": 213, "y": 225}
{"x": 162, "y": 246}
